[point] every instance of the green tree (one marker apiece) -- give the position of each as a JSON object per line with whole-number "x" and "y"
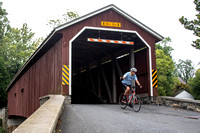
{"x": 164, "y": 45}
{"x": 4, "y": 23}
{"x": 4, "y": 75}
{"x": 70, "y": 15}
{"x": 179, "y": 87}
{"x": 193, "y": 25}
{"x": 185, "y": 70}
{"x": 4, "y": 28}
{"x": 4, "y": 80}
{"x": 165, "y": 68}
{"x": 18, "y": 46}
{"x": 195, "y": 85}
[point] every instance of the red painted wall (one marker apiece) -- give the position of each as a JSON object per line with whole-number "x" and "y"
{"x": 42, "y": 78}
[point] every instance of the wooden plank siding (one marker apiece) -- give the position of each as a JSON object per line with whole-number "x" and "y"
{"x": 42, "y": 78}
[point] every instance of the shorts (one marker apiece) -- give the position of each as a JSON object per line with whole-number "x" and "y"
{"x": 125, "y": 85}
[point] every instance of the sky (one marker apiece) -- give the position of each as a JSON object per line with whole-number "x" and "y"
{"x": 161, "y": 16}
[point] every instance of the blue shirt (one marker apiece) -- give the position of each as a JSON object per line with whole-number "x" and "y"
{"x": 129, "y": 78}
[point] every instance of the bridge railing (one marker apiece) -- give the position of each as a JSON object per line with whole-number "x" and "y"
{"x": 43, "y": 120}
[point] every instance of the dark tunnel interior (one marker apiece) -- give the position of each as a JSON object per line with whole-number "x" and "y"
{"x": 95, "y": 66}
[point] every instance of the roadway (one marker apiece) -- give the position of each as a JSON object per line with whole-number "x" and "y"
{"x": 106, "y": 118}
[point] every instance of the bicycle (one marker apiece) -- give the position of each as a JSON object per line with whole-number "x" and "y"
{"x": 133, "y": 100}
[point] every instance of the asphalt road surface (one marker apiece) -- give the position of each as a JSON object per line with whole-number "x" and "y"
{"x": 106, "y": 118}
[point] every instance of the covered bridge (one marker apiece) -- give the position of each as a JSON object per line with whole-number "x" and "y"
{"x": 84, "y": 59}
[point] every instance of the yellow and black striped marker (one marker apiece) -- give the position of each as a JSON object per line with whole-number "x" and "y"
{"x": 154, "y": 78}
{"x": 65, "y": 75}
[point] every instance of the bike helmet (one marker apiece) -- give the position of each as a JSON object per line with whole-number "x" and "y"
{"x": 133, "y": 69}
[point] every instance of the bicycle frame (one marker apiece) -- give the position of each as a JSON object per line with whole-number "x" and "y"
{"x": 133, "y": 94}
{"x": 133, "y": 102}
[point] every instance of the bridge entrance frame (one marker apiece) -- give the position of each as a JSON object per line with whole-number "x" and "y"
{"x": 132, "y": 54}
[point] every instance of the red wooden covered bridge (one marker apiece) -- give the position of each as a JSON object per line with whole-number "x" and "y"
{"x": 84, "y": 58}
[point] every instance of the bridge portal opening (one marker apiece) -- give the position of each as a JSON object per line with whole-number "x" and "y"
{"x": 96, "y": 66}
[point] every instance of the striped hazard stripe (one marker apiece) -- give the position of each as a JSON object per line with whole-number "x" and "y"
{"x": 110, "y": 41}
{"x": 154, "y": 78}
{"x": 65, "y": 75}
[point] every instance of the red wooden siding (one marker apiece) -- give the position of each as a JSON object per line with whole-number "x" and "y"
{"x": 42, "y": 78}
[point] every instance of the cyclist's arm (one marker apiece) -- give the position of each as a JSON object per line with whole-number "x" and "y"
{"x": 124, "y": 76}
{"x": 138, "y": 83}
{"x": 121, "y": 78}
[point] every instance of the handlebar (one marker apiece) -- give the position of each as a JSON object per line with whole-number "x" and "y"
{"x": 133, "y": 88}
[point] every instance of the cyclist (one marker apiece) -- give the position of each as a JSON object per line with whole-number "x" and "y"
{"x": 127, "y": 80}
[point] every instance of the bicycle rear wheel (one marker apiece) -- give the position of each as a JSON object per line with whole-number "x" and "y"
{"x": 136, "y": 103}
{"x": 122, "y": 101}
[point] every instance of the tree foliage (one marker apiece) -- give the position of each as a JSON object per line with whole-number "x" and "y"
{"x": 193, "y": 25}
{"x": 18, "y": 46}
{"x": 195, "y": 85}
{"x": 4, "y": 75}
{"x": 4, "y": 23}
{"x": 4, "y": 80}
{"x": 185, "y": 70}
{"x": 179, "y": 87}
{"x": 164, "y": 45}
{"x": 165, "y": 68}
{"x": 70, "y": 15}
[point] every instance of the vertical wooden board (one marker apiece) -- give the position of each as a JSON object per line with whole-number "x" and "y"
{"x": 33, "y": 98}
{"x": 17, "y": 99}
{"x": 30, "y": 97}
{"x": 41, "y": 61}
{"x": 35, "y": 81}
{"x": 37, "y": 85}
{"x": 11, "y": 101}
{"x": 56, "y": 68}
{"x": 26, "y": 90}
{"x": 148, "y": 74}
{"x": 142, "y": 67}
{"x": 45, "y": 76}
{"x": 60, "y": 66}
{"x": 48, "y": 82}
{"x": 19, "y": 110}
{"x": 29, "y": 91}
{"x": 22, "y": 95}
{"x": 41, "y": 76}
{"x": 53, "y": 70}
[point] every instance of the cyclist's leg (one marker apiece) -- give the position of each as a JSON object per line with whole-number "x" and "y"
{"x": 127, "y": 91}
{"x": 124, "y": 87}
{"x": 124, "y": 96}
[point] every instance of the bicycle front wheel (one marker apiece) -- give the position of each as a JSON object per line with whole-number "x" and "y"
{"x": 136, "y": 103}
{"x": 122, "y": 101}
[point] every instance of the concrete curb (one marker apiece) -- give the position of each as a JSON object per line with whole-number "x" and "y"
{"x": 43, "y": 120}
